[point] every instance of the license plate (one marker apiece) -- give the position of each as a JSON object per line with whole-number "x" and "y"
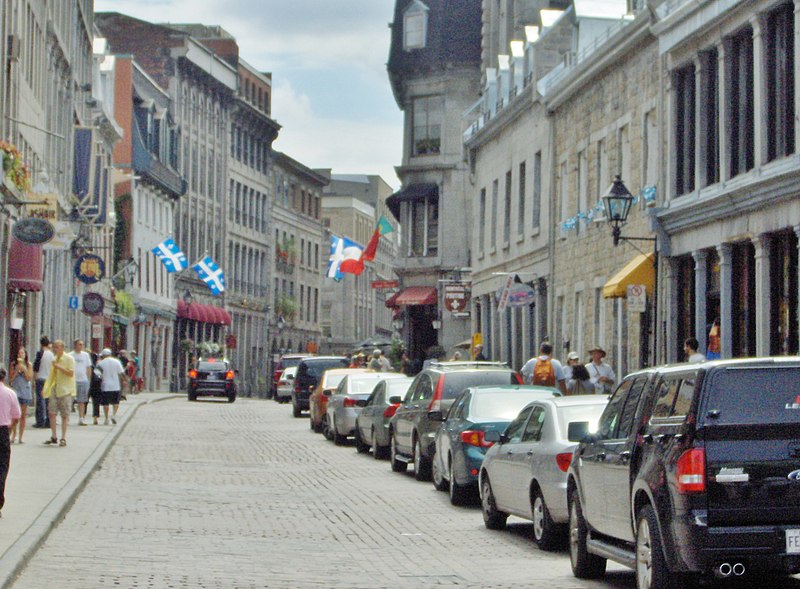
{"x": 792, "y": 541}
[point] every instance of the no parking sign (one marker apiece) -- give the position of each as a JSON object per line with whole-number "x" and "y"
{"x": 637, "y": 298}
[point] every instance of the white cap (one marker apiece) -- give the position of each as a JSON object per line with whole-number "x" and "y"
{"x": 105, "y": 352}
{"x": 376, "y": 352}
{"x": 573, "y": 356}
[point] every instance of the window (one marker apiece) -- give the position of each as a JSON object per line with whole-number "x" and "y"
{"x": 416, "y": 227}
{"x": 623, "y": 155}
{"x": 533, "y": 430}
{"x": 515, "y": 428}
{"x": 739, "y": 97}
{"x": 603, "y": 177}
{"x": 709, "y": 119}
{"x": 521, "y": 200}
{"x": 427, "y": 116}
{"x": 495, "y": 189}
{"x": 583, "y": 184}
{"x": 563, "y": 192}
{"x": 433, "y": 227}
{"x": 609, "y": 420}
{"x": 684, "y": 141}
{"x": 665, "y": 398}
{"x": 536, "y": 205}
{"x": 481, "y": 223}
{"x": 415, "y": 26}
{"x": 779, "y": 74}
{"x": 507, "y": 210}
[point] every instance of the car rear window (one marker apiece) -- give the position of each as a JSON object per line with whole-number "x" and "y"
{"x": 317, "y": 367}
{"x": 586, "y": 415}
{"x": 501, "y": 405}
{"x": 454, "y": 383}
{"x": 755, "y": 395}
{"x": 211, "y": 366}
{"x": 364, "y": 383}
{"x": 288, "y": 362}
{"x": 332, "y": 380}
{"x": 398, "y": 387}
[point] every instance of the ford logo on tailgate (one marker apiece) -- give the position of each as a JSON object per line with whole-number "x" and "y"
{"x": 794, "y": 475}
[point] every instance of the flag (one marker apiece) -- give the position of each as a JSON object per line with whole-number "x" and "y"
{"x": 171, "y": 255}
{"x": 383, "y": 228}
{"x": 209, "y": 272}
{"x": 345, "y": 256}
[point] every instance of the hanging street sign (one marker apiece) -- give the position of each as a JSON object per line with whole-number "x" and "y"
{"x": 33, "y": 230}
{"x": 384, "y": 284}
{"x": 456, "y": 298}
{"x": 93, "y": 303}
{"x": 90, "y": 268}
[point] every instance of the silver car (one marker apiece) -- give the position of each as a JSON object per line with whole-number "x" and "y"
{"x": 285, "y": 385}
{"x": 343, "y": 404}
{"x": 525, "y": 472}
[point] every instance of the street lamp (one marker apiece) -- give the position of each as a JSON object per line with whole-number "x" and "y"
{"x": 617, "y": 204}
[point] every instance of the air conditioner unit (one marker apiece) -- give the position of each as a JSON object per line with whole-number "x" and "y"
{"x": 12, "y": 48}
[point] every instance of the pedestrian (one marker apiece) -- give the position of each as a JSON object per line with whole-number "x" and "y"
{"x": 113, "y": 375}
{"x": 386, "y": 365}
{"x": 714, "y": 349}
{"x": 95, "y": 391}
{"x": 479, "y": 356}
{"x": 456, "y": 357}
{"x": 358, "y": 361}
{"x": 122, "y": 356}
{"x": 9, "y": 415}
{"x": 137, "y": 378}
{"x": 41, "y": 370}
{"x": 580, "y": 383}
{"x": 544, "y": 370}
{"x": 690, "y": 349}
{"x": 602, "y": 375}
{"x": 435, "y": 354}
{"x": 83, "y": 375}
{"x": 59, "y": 389}
{"x": 406, "y": 365}
{"x": 572, "y": 359}
{"x": 20, "y": 375}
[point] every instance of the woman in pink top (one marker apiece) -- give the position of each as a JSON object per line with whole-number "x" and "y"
{"x": 9, "y": 415}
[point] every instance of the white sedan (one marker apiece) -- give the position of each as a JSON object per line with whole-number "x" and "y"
{"x": 525, "y": 472}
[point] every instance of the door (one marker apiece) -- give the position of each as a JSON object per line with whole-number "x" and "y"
{"x": 407, "y": 412}
{"x": 502, "y": 472}
{"x": 520, "y": 463}
{"x": 366, "y": 419}
{"x": 449, "y": 440}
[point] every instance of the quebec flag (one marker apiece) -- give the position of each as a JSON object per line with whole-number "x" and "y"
{"x": 209, "y": 272}
{"x": 345, "y": 256}
{"x": 171, "y": 255}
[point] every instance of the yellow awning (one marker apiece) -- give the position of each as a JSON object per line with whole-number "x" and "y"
{"x": 638, "y": 271}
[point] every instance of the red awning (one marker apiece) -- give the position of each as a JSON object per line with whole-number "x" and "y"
{"x": 226, "y": 317}
{"x": 183, "y": 311}
{"x": 197, "y": 312}
{"x": 391, "y": 302}
{"x": 24, "y": 266}
{"x": 416, "y": 295}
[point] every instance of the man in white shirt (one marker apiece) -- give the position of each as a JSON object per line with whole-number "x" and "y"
{"x": 83, "y": 375}
{"x": 600, "y": 373}
{"x": 111, "y": 384}
{"x": 41, "y": 370}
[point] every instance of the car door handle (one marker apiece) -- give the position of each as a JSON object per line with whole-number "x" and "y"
{"x": 600, "y": 456}
{"x": 650, "y": 438}
{"x": 624, "y": 457}
{"x": 510, "y": 452}
{"x": 529, "y": 453}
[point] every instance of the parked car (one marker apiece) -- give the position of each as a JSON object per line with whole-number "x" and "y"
{"x": 285, "y": 385}
{"x": 318, "y": 401}
{"x": 212, "y": 377}
{"x": 525, "y": 472}
{"x": 286, "y": 361}
{"x": 309, "y": 370}
{"x": 343, "y": 406}
{"x": 461, "y": 442}
{"x": 434, "y": 389}
{"x": 372, "y": 424}
{"x": 694, "y": 470}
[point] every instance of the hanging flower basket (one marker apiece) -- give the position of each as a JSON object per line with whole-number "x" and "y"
{"x": 14, "y": 167}
{"x": 187, "y": 345}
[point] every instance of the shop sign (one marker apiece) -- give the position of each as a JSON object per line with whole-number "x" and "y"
{"x": 456, "y": 297}
{"x": 93, "y": 303}
{"x": 90, "y": 268}
{"x": 33, "y": 230}
{"x": 385, "y": 284}
{"x": 231, "y": 342}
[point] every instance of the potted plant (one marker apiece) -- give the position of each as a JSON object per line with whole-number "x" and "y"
{"x": 14, "y": 167}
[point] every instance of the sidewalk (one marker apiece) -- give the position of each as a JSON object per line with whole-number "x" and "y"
{"x": 44, "y": 480}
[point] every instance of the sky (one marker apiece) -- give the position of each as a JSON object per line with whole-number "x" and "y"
{"x": 330, "y": 90}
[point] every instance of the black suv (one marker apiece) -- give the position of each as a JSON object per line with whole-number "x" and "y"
{"x": 308, "y": 372}
{"x": 412, "y": 432}
{"x": 212, "y": 377}
{"x": 694, "y": 471}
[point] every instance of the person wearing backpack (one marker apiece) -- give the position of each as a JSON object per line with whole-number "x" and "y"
{"x": 544, "y": 370}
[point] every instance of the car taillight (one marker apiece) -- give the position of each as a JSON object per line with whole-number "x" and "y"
{"x": 193, "y": 373}
{"x": 436, "y": 402}
{"x": 563, "y": 461}
{"x": 348, "y": 402}
{"x": 475, "y": 438}
{"x": 691, "y": 471}
{"x": 519, "y": 378}
{"x": 390, "y": 411}
{"x": 229, "y": 375}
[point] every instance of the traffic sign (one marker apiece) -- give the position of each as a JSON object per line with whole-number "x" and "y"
{"x": 637, "y": 298}
{"x": 73, "y": 302}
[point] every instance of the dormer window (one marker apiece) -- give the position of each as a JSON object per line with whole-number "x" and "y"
{"x": 415, "y": 26}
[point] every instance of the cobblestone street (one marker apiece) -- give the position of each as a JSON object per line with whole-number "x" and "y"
{"x": 210, "y": 495}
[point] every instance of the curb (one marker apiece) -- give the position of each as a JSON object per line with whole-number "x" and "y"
{"x": 16, "y": 557}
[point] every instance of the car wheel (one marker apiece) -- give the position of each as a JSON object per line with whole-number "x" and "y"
{"x": 584, "y": 565}
{"x": 338, "y": 438}
{"x": 437, "y": 476}
{"x": 547, "y": 534}
{"x": 493, "y": 518}
{"x": 651, "y": 566}
{"x": 295, "y": 410}
{"x": 361, "y": 446}
{"x": 192, "y": 397}
{"x": 378, "y": 452}
{"x": 326, "y": 427}
{"x": 422, "y": 465}
{"x": 397, "y": 464}
{"x": 231, "y": 398}
{"x": 458, "y": 493}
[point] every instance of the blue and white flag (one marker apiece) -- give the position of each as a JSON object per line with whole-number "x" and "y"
{"x": 209, "y": 272}
{"x": 171, "y": 255}
{"x": 344, "y": 257}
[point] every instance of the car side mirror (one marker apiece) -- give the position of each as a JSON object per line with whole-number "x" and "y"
{"x": 492, "y": 436}
{"x": 361, "y": 403}
{"x": 288, "y": 376}
{"x": 435, "y": 416}
{"x": 311, "y": 388}
{"x": 327, "y": 393}
{"x": 396, "y": 400}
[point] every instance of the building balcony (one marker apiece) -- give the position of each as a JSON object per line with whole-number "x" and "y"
{"x": 146, "y": 164}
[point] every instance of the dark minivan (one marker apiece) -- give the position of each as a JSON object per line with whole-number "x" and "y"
{"x": 308, "y": 372}
{"x": 694, "y": 471}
